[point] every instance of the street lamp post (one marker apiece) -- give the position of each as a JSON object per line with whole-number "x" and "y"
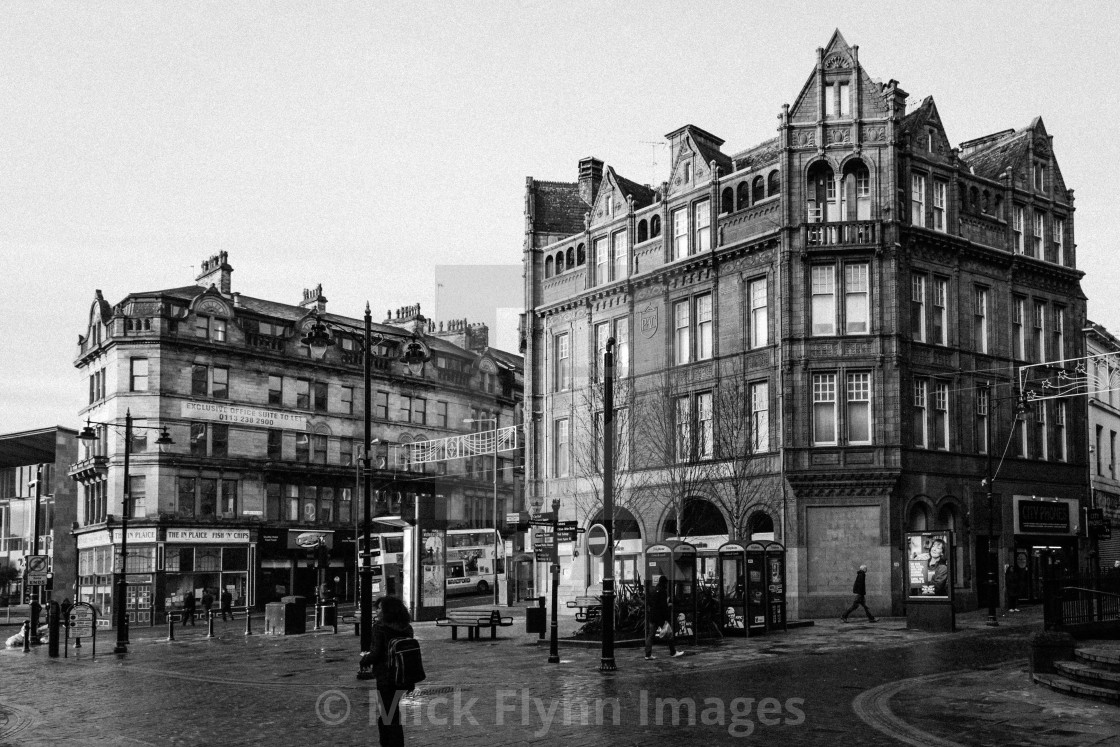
{"x": 415, "y": 356}
{"x": 121, "y": 577}
{"x": 606, "y": 663}
{"x": 36, "y": 603}
{"x": 494, "y": 506}
{"x": 554, "y": 568}
{"x": 992, "y": 557}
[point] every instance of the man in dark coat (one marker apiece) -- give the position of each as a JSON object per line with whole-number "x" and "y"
{"x": 859, "y": 588}
{"x": 188, "y": 608}
{"x": 207, "y": 603}
{"x": 658, "y": 615}
{"x": 227, "y": 604}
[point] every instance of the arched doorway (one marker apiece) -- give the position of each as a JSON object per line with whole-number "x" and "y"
{"x": 703, "y": 525}
{"x": 760, "y": 527}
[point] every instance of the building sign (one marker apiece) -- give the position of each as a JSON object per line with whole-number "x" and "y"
{"x": 928, "y": 573}
{"x": 309, "y": 540}
{"x": 244, "y": 415}
{"x": 1034, "y": 515}
{"x": 647, "y": 321}
{"x": 97, "y": 539}
{"x": 206, "y": 536}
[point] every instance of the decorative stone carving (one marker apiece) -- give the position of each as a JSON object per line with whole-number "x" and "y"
{"x": 837, "y": 62}
{"x": 647, "y": 320}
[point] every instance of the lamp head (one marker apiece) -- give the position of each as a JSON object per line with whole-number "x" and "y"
{"x": 317, "y": 340}
{"x": 87, "y": 433}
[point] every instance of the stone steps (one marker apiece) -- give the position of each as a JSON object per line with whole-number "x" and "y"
{"x": 1094, "y": 673}
{"x": 1058, "y": 683}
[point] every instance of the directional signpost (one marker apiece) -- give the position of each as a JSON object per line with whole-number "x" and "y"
{"x": 83, "y": 624}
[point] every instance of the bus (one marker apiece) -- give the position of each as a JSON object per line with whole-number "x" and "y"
{"x": 469, "y": 556}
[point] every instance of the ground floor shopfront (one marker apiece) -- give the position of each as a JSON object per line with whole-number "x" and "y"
{"x": 255, "y": 564}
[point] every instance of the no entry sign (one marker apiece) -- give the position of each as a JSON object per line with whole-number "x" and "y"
{"x": 597, "y": 540}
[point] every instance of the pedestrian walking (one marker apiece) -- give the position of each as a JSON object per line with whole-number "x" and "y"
{"x": 188, "y": 608}
{"x": 390, "y": 620}
{"x": 64, "y": 611}
{"x": 227, "y": 604}
{"x": 1011, "y": 587}
{"x": 859, "y": 588}
{"x": 207, "y": 603}
{"x": 659, "y": 625}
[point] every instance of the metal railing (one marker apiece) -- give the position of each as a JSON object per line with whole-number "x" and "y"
{"x": 1067, "y": 604}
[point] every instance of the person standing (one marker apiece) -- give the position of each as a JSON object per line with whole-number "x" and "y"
{"x": 227, "y": 604}
{"x": 859, "y": 588}
{"x": 207, "y": 603}
{"x": 188, "y": 607}
{"x": 658, "y": 616}
{"x": 391, "y": 620}
{"x": 1011, "y": 587}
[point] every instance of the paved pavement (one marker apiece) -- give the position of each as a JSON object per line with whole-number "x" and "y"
{"x": 862, "y": 683}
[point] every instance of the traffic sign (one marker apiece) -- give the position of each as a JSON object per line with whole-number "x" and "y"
{"x": 597, "y": 540}
{"x": 83, "y": 620}
{"x": 38, "y": 569}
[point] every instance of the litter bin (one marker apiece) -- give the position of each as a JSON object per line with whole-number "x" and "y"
{"x": 535, "y": 618}
{"x": 286, "y": 617}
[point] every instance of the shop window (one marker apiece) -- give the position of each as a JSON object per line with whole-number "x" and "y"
{"x": 207, "y": 559}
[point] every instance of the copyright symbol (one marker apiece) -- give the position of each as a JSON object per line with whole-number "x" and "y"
{"x": 332, "y": 707}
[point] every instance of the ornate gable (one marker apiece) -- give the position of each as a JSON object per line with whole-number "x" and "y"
{"x": 838, "y": 63}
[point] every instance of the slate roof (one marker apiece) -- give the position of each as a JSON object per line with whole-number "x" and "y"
{"x": 758, "y": 155}
{"x": 710, "y": 154}
{"x": 642, "y": 194}
{"x": 995, "y": 157}
{"x": 558, "y": 208}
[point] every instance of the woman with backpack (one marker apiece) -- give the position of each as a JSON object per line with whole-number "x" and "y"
{"x": 390, "y": 621}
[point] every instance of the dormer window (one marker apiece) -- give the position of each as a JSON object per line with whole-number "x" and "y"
{"x": 837, "y": 100}
{"x": 1039, "y": 177}
{"x": 929, "y": 141}
{"x": 687, "y": 172}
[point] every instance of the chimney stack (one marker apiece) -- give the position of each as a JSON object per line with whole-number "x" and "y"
{"x": 216, "y": 271}
{"x": 590, "y": 175}
{"x": 314, "y": 297}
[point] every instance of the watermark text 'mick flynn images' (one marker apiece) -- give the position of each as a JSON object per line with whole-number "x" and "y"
{"x": 739, "y": 716}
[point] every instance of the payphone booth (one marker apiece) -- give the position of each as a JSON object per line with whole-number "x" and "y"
{"x": 677, "y": 562}
{"x": 756, "y": 612}
{"x": 732, "y": 588}
{"x": 775, "y": 586}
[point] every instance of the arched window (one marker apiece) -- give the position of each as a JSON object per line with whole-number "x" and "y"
{"x": 559, "y": 262}
{"x": 822, "y": 202}
{"x": 918, "y": 520}
{"x": 744, "y": 194}
{"x": 758, "y": 190}
{"x": 643, "y": 230}
{"x": 773, "y": 183}
{"x": 986, "y": 202}
{"x": 760, "y": 527}
{"x": 727, "y": 201}
{"x": 974, "y": 199}
{"x": 548, "y": 266}
{"x": 855, "y": 191}
{"x": 999, "y": 207}
{"x": 655, "y": 226}
{"x": 571, "y": 257}
{"x": 581, "y": 257}
{"x": 698, "y": 518}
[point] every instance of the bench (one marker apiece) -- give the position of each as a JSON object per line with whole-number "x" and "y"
{"x": 474, "y": 624}
{"x": 590, "y": 608}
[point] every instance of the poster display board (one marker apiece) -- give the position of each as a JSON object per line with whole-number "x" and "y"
{"x": 928, "y": 573}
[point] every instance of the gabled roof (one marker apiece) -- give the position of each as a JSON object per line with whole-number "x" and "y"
{"x": 998, "y": 155}
{"x": 922, "y": 120}
{"x": 643, "y": 195}
{"x": 837, "y": 55}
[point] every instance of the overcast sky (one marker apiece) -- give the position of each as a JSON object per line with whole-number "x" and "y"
{"x": 360, "y": 144}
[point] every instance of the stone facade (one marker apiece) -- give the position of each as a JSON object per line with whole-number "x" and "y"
{"x": 268, "y": 440}
{"x": 824, "y": 309}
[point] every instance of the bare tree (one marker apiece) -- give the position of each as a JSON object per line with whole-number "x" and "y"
{"x": 744, "y": 479}
{"x": 677, "y": 446}
{"x": 587, "y": 450}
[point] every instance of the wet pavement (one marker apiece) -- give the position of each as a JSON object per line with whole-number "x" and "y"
{"x": 860, "y": 683}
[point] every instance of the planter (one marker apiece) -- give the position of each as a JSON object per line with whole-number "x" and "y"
{"x": 1049, "y": 647}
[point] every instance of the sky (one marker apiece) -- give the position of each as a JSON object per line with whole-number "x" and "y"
{"x": 361, "y": 144}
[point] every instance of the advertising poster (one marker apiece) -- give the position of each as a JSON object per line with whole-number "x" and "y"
{"x": 433, "y": 564}
{"x": 927, "y": 562}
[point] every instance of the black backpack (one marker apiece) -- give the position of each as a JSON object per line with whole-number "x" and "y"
{"x": 406, "y": 667}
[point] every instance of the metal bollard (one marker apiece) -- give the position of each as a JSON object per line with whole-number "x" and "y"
{"x": 170, "y": 627}
{"x": 26, "y": 636}
{"x": 248, "y": 620}
{"x": 210, "y": 624}
{"x": 335, "y": 608}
